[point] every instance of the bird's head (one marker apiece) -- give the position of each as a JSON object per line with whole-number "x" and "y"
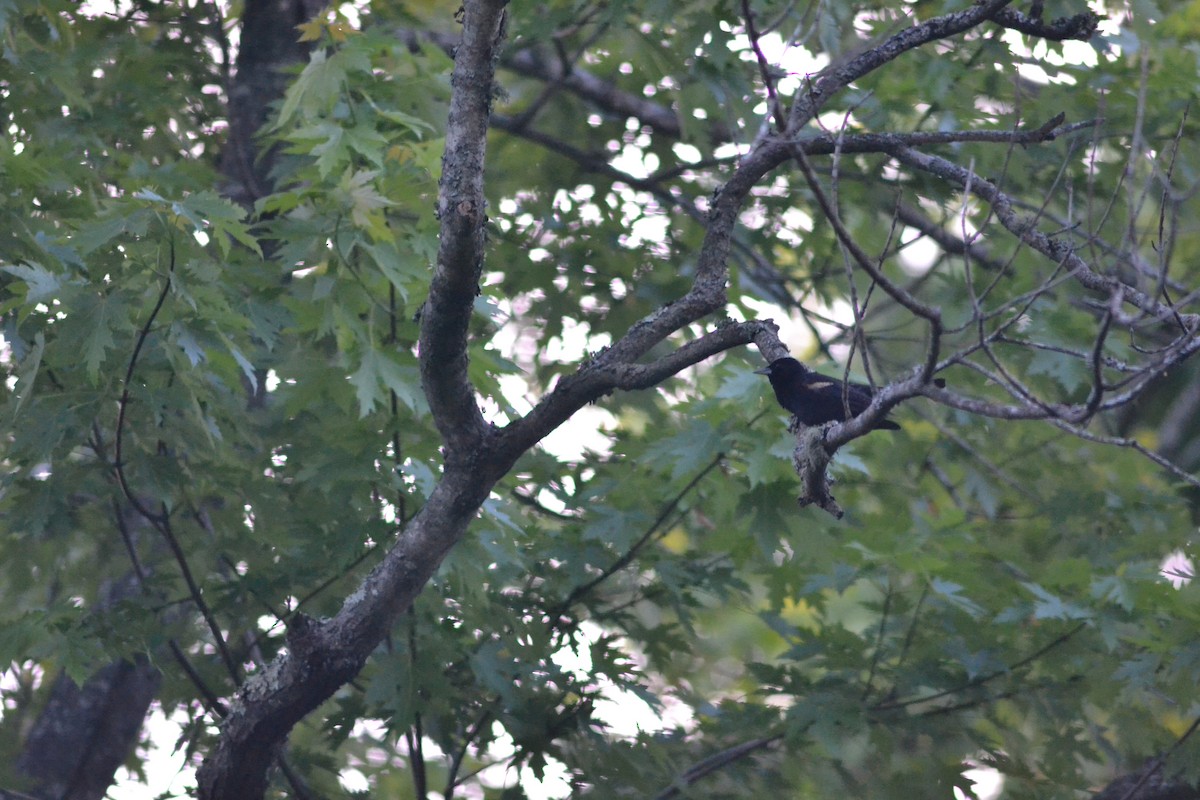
{"x": 784, "y": 368}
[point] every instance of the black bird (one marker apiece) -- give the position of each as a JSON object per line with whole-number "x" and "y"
{"x": 817, "y": 399}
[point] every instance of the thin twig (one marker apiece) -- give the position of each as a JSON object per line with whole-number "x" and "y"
{"x": 123, "y": 403}
{"x": 774, "y": 107}
{"x": 162, "y": 521}
{"x": 715, "y": 762}
{"x": 452, "y": 780}
{"x": 628, "y": 556}
{"x": 982, "y": 679}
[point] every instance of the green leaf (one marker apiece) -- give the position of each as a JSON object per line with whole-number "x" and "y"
{"x": 187, "y": 342}
{"x": 415, "y": 125}
{"x": 365, "y": 202}
{"x": 952, "y": 592}
{"x": 98, "y": 232}
{"x": 247, "y": 368}
{"x": 1067, "y": 371}
{"x": 367, "y": 380}
{"x": 210, "y": 211}
{"x": 27, "y": 373}
{"x": 327, "y": 145}
{"x": 1050, "y": 606}
{"x": 89, "y": 328}
{"x": 40, "y": 283}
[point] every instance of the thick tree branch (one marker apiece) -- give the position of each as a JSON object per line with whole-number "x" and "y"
{"x": 269, "y": 43}
{"x": 462, "y": 210}
{"x": 86, "y": 732}
{"x": 321, "y": 657}
{"x": 1079, "y": 27}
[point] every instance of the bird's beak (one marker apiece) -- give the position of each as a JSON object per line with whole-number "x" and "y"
{"x": 763, "y": 371}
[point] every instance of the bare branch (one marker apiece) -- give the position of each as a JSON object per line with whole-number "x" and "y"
{"x": 1049, "y": 246}
{"x": 1080, "y": 27}
{"x": 715, "y": 762}
{"x": 880, "y": 406}
{"x": 837, "y": 76}
{"x": 826, "y": 143}
{"x": 980, "y": 680}
{"x": 1136, "y": 446}
{"x": 775, "y": 109}
{"x": 540, "y": 64}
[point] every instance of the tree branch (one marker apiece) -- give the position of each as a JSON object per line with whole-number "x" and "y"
{"x": 321, "y": 657}
{"x": 462, "y": 210}
{"x": 1051, "y": 247}
{"x": 839, "y": 75}
{"x": 604, "y": 373}
{"x": 539, "y": 64}
{"x": 1080, "y": 27}
{"x": 980, "y": 680}
{"x": 627, "y": 557}
{"x": 715, "y": 762}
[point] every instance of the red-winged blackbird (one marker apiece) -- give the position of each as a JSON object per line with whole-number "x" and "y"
{"x": 816, "y": 399}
